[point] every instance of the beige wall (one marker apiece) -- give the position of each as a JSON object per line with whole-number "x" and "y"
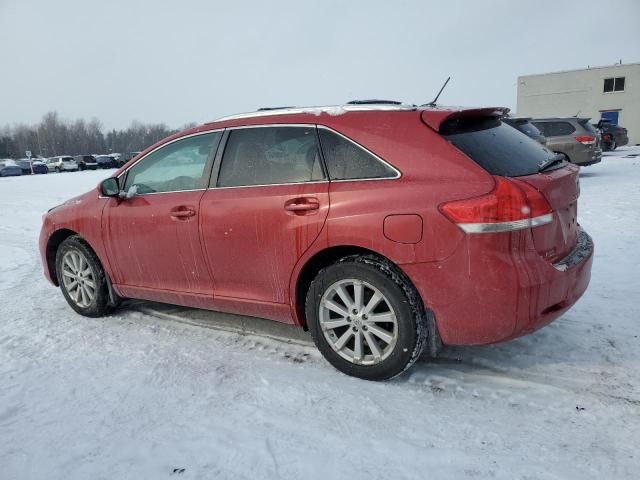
{"x": 580, "y": 92}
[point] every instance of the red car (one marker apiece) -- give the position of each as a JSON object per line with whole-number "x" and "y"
{"x": 386, "y": 230}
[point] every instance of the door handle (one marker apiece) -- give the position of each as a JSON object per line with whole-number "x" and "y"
{"x": 302, "y": 204}
{"x": 183, "y": 212}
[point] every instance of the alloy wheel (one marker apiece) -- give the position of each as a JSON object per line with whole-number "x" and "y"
{"x": 358, "y": 321}
{"x": 78, "y": 278}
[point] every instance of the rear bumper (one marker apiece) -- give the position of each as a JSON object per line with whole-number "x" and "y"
{"x": 589, "y": 158}
{"x": 496, "y": 287}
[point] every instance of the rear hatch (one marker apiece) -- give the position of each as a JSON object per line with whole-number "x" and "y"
{"x": 507, "y": 153}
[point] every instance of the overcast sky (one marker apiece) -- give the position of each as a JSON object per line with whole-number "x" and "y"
{"x": 193, "y": 61}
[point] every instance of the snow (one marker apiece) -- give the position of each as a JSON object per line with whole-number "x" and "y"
{"x": 151, "y": 390}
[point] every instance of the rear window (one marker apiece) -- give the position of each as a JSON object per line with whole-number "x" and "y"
{"x": 495, "y": 146}
{"x": 529, "y": 128}
{"x": 588, "y": 127}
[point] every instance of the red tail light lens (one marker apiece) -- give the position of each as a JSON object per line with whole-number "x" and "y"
{"x": 586, "y": 139}
{"x": 512, "y": 205}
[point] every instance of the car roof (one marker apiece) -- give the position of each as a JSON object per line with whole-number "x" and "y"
{"x": 432, "y": 115}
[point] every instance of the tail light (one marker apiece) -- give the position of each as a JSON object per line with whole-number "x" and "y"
{"x": 512, "y": 205}
{"x": 586, "y": 139}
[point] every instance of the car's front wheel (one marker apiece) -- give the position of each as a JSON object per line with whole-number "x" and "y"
{"x": 366, "y": 318}
{"x": 82, "y": 278}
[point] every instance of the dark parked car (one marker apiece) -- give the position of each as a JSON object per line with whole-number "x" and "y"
{"x": 38, "y": 166}
{"x": 613, "y": 136}
{"x": 9, "y": 168}
{"x": 125, "y": 157}
{"x": 525, "y": 126}
{"x": 384, "y": 230}
{"x": 105, "y": 161}
{"x": 86, "y": 162}
{"x": 573, "y": 137}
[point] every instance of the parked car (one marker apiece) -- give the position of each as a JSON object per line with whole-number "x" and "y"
{"x": 386, "y": 230}
{"x": 613, "y": 136}
{"x": 125, "y": 157}
{"x": 9, "y": 168}
{"x": 573, "y": 137}
{"x": 86, "y": 162}
{"x": 105, "y": 161}
{"x": 38, "y": 166}
{"x": 62, "y": 163}
{"x": 525, "y": 126}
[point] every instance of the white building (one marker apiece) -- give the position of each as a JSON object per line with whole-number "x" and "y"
{"x": 611, "y": 92}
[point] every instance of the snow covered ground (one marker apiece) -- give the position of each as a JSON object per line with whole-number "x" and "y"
{"x": 144, "y": 395}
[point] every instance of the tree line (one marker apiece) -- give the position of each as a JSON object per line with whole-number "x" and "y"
{"x": 54, "y": 136}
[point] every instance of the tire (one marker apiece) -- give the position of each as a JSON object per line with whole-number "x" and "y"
{"x": 613, "y": 145}
{"x": 72, "y": 253}
{"x": 375, "y": 358}
{"x": 58, "y": 170}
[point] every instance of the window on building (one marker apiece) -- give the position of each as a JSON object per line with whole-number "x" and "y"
{"x": 614, "y": 84}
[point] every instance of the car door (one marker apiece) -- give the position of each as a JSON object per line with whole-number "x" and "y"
{"x": 152, "y": 238}
{"x": 267, "y": 207}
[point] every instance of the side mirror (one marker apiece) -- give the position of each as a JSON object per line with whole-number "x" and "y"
{"x": 110, "y": 187}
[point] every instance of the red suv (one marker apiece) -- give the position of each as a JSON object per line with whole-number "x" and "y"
{"x": 386, "y": 230}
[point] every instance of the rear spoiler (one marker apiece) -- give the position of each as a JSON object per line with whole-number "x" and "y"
{"x": 435, "y": 117}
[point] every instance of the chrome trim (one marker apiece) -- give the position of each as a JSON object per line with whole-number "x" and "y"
{"x": 297, "y": 125}
{"x": 269, "y": 185}
{"x": 307, "y": 125}
{"x": 507, "y": 226}
{"x": 317, "y": 111}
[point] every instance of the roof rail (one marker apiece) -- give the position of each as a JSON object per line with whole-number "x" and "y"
{"x": 374, "y": 101}
{"x": 331, "y": 110}
{"x": 266, "y": 109}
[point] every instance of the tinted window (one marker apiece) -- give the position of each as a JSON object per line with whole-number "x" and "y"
{"x": 270, "y": 156}
{"x": 176, "y": 167}
{"x": 561, "y": 128}
{"x": 529, "y": 129}
{"x": 348, "y": 161}
{"x": 587, "y": 126}
{"x": 495, "y": 146}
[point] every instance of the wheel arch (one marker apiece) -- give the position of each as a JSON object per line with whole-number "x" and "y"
{"x": 332, "y": 254}
{"x": 53, "y": 243}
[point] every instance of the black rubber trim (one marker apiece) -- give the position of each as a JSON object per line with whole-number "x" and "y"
{"x": 582, "y": 250}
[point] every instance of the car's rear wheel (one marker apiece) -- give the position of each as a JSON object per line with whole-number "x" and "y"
{"x": 366, "y": 318}
{"x": 82, "y": 278}
{"x": 613, "y": 145}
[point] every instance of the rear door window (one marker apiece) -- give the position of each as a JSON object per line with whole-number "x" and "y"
{"x": 270, "y": 156}
{"x": 495, "y": 146}
{"x": 559, "y": 129}
{"x": 347, "y": 160}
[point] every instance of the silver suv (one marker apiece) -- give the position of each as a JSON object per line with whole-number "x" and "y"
{"x": 573, "y": 137}
{"x": 62, "y": 164}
